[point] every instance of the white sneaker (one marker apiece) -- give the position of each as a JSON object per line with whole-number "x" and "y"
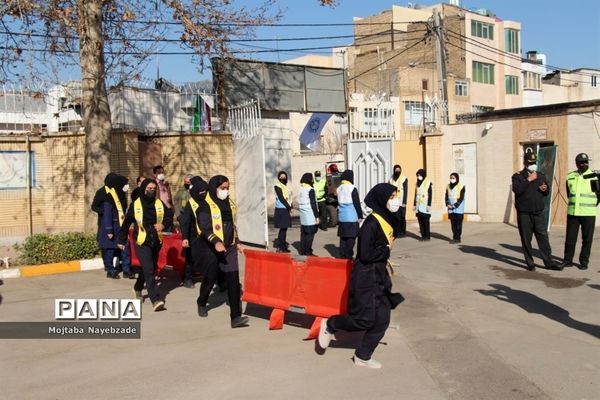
{"x": 370, "y": 363}
{"x": 324, "y": 335}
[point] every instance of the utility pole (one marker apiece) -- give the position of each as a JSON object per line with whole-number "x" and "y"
{"x": 441, "y": 64}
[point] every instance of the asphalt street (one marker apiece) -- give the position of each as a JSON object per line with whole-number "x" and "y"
{"x": 475, "y": 325}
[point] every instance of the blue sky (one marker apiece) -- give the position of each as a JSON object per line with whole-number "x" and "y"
{"x": 568, "y": 32}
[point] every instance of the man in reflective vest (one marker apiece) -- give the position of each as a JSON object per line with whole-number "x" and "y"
{"x": 320, "y": 187}
{"x": 582, "y": 192}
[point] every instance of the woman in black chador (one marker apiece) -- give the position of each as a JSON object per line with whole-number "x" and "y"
{"x": 220, "y": 244}
{"x": 369, "y": 299}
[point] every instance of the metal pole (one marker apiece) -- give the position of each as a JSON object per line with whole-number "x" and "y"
{"x": 29, "y": 197}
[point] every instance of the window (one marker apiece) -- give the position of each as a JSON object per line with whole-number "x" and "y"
{"x": 532, "y": 81}
{"x": 378, "y": 120}
{"x": 594, "y": 80}
{"x": 416, "y": 111}
{"x": 482, "y": 30}
{"x": 424, "y": 84}
{"x": 460, "y": 88}
{"x": 511, "y": 41}
{"x": 511, "y": 83}
{"x": 483, "y": 73}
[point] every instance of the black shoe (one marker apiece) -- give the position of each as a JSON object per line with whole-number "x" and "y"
{"x": 188, "y": 283}
{"x": 202, "y": 311}
{"x": 113, "y": 275}
{"x": 555, "y": 267}
{"x": 531, "y": 267}
{"x": 582, "y": 266}
{"x": 566, "y": 264}
{"x": 128, "y": 275}
{"x": 240, "y": 321}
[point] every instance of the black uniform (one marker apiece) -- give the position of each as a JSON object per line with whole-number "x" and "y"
{"x": 307, "y": 232}
{"x": 400, "y": 215}
{"x": 227, "y": 262}
{"x": 189, "y": 231}
{"x": 282, "y": 217}
{"x": 370, "y": 283}
{"x": 529, "y": 202}
{"x": 147, "y": 252}
{"x": 456, "y": 219}
{"x": 423, "y": 217}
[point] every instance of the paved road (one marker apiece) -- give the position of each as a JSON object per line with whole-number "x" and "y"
{"x": 475, "y": 325}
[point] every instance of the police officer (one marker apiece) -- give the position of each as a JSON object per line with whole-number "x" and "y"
{"x": 530, "y": 187}
{"x": 582, "y": 192}
{"x": 320, "y": 187}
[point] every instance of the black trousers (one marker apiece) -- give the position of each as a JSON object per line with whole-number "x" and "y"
{"x": 322, "y": 214}
{"x": 456, "y": 223}
{"x": 374, "y": 330}
{"x": 400, "y": 227}
{"x": 347, "y": 247}
{"x": 307, "y": 236}
{"x": 424, "y": 224}
{"x": 232, "y": 279}
{"x": 281, "y": 241}
{"x": 148, "y": 258}
{"x": 534, "y": 224}
{"x": 189, "y": 263}
{"x": 587, "y": 236}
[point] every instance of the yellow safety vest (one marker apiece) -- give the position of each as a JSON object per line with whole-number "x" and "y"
{"x": 195, "y": 206}
{"x": 320, "y": 187}
{"x": 113, "y": 194}
{"x": 138, "y": 212}
{"x": 458, "y": 188}
{"x": 385, "y": 227}
{"x": 422, "y": 200}
{"x": 284, "y": 190}
{"x": 217, "y": 221}
{"x": 399, "y": 184}
{"x": 582, "y": 199}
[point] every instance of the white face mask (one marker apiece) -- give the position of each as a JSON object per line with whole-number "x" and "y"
{"x": 393, "y": 204}
{"x": 419, "y": 178}
{"x": 222, "y": 194}
{"x": 452, "y": 180}
{"x": 126, "y": 188}
{"x": 532, "y": 167}
{"x": 317, "y": 178}
{"x": 160, "y": 177}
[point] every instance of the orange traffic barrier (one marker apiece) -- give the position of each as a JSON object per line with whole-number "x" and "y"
{"x": 316, "y": 286}
{"x": 171, "y": 253}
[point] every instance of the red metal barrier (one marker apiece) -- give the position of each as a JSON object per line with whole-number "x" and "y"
{"x": 170, "y": 254}
{"x": 317, "y": 286}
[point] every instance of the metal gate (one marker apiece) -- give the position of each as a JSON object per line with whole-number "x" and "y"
{"x": 244, "y": 122}
{"x": 370, "y": 148}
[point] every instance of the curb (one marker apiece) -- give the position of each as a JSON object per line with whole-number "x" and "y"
{"x": 28, "y": 271}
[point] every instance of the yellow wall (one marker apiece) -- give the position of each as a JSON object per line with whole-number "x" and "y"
{"x": 409, "y": 155}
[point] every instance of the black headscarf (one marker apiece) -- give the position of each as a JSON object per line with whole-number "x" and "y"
{"x": 377, "y": 199}
{"x": 396, "y": 176}
{"x": 454, "y": 174}
{"x": 198, "y": 185}
{"x": 224, "y": 206}
{"x": 423, "y": 173}
{"x": 307, "y": 178}
{"x": 145, "y": 199}
{"x": 119, "y": 183}
{"x": 110, "y": 179}
{"x": 348, "y": 175}
{"x": 286, "y": 177}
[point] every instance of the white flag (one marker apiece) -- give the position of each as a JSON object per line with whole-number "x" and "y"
{"x": 311, "y": 134}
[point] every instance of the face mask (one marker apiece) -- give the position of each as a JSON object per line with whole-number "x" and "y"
{"x": 397, "y": 172}
{"x": 222, "y": 194}
{"x": 283, "y": 180}
{"x": 202, "y": 195}
{"x": 532, "y": 168}
{"x": 420, "y": 178}
{"x": 393, "y": 204}
{"x": 582, "y": 167}
{"x": 317, "y": 178}
{"x": 151, "y": 194}
{"x": 160, "y": 177}
{"x": 126, "y": 188}
{"x": 187, "y": 186}
{"x": 452, "y": 180}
